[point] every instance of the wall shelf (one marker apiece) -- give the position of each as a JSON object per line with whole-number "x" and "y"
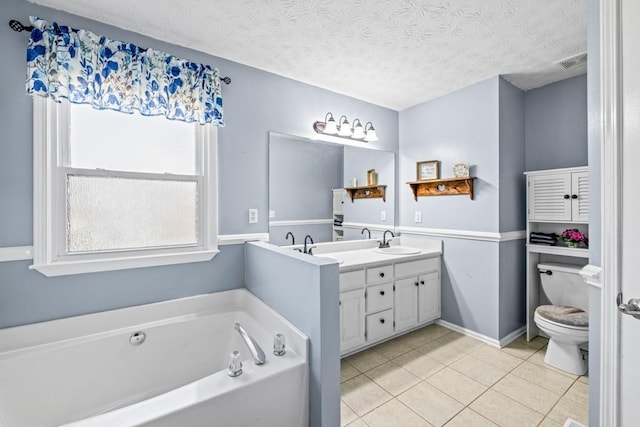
{"x": 442, "y": 187}
{"x": 368, "y": 192}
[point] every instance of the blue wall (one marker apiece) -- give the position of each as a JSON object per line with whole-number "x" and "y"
{"x": 556, "y": 125}
{"x": 256, "y": 102}
{"x": 482, "y": 124}
{"x": 304, "y": 289}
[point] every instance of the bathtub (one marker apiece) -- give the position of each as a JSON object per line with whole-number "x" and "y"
{"x": 85, "y": 371}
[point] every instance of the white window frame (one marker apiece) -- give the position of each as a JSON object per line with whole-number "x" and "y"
{"x": 50, "y": 137}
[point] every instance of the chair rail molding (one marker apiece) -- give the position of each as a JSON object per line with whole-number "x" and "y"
{"x": 465, "y": 234}
{"x": 16, "y": 253}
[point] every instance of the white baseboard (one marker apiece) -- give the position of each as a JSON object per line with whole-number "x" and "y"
{"x": 488, "y": 340}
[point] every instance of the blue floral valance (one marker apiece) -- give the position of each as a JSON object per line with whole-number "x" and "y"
{"x": 88, "y": 69}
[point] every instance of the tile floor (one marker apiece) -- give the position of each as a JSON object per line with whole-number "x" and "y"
{"x": 434, "y": 377}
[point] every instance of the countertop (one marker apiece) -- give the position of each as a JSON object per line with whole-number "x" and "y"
{"x": 352, "y": 260}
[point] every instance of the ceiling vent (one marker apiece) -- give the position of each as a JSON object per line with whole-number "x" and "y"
{"x": 573, "y": 61}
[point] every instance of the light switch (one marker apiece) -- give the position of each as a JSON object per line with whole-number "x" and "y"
{"x": 383, "y": 215}
{"x": 253, "y": 216}
{"x": 418, "y": 217}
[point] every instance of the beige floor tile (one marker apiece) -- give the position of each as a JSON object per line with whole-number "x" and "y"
{"x": 538, "y": 342}
{"x": 363, "y": 395}
{"x": 584, "y": 379}
{"x": 431, "y": 404}
{"x": 365, "y": 360}
{"x": 520, "y": 349}
{"x": 579, "y": 393}
{"x": 394, "y": 413}
{"x": 434, "y": 331}
{"x": 504, "y": 411}
{"x": 568, "y": 408}
{"x": 469, "y": 418}
{"x": 414, "y": 339}
{"x": 538, "y": 359}
{"x": 532, "y": 396}
{"x": 347, "y": 371}
{"x": 456, "y": 385}
{"x": 478, "y": 370}
{"x": 495, "y": 357}
{"x": 548, "y": 422}
{"x": 358, "y": 423}
{"x": 346, "y": 414}
{"x": 445, "y": 349}
{"x": 543, "y": 377}
{"x": 418, "y": 364}
{"x": 392, "y": 349}
{"x": 393, "y": 378}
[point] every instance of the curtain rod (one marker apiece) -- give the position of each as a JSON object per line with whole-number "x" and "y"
{"x": 19, "y": 27}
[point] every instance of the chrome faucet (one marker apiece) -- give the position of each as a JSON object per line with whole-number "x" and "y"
{"x": 293, "y": 239}
{"x": 308, "y": 239}
{"x": 254, "y": 348}
{"x": 385, "y": 242}
{"x": 368, "y": 231}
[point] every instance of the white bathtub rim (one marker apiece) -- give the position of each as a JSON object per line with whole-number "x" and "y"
{"x": 93, "y": 326}
{"x": 212, "y": 386}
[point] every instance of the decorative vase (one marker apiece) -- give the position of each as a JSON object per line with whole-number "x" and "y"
{"x": 573, "y": 244}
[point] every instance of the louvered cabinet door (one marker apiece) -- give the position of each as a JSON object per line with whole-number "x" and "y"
{"x": 550, "y": 197}
{"x": 580, "y": 196}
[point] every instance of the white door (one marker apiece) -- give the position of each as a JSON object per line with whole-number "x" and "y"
{"x": 405, "y": 304}
{"x": 630, "y": 282}
{"x": 351, "y": 319}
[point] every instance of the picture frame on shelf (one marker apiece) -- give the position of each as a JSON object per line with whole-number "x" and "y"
{"x": 427, "y": 170}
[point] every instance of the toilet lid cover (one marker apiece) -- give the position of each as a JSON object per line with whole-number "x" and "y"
{"x": 564, "y": 314}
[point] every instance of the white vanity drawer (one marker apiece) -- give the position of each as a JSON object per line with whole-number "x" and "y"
{"x": 351, "y": 280}
{"x": 383, "y": 273}
{"x": 379, "y": 325}
{"x": 415, "y": 267}
{"x": 379, "y": 297}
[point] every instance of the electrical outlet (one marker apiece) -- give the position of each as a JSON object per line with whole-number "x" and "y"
{"x": 253, "y": 216}
{"x": 272, "y": 214}
{"x": 418, "y": 217}
{"x": 383, "y": 215}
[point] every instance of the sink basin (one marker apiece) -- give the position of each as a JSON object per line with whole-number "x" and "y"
{"x": 398, "y": 250}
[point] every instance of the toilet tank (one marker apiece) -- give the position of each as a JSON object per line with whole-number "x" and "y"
{"x": 563, "y": 285}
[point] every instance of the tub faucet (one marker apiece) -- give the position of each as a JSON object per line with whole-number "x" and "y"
{"x": 293, "y": 239}
{"x": 307, "y": 239}
{"x": 368, "y": 232}
{"x": 254, "y": 348}
{"x": 385, "y": 242}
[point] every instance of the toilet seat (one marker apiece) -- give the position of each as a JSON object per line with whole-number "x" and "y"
{"x": 563, "y": 316}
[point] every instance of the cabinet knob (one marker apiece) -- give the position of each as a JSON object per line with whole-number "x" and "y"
{"x": 422, "y": 282}
{"x": 566, "y": 196}
{"x": 417, "y": 284}
{"x": 574, "y": 196}
{"x": 381, "y": 274}
{"x": 382, "y": 320}
{"x": 381, "y": 292}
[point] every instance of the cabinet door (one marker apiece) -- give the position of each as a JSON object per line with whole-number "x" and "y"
{"x": 429, "y": 297}
{"x": 580, "y": 196}
{"x": 351, "y": 319}
{"x": 550, "y": 197}
{"x": 405, "y": 307}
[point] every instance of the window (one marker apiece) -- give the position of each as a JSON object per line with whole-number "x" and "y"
{"x": 115, "y": 190}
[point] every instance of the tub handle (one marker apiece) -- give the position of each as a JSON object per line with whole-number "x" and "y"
{"x": 254, "y": 348}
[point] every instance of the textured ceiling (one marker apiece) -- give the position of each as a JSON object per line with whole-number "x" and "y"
{"x": 393, "y": 53}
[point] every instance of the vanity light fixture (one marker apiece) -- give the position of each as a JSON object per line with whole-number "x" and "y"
{"x": 342, "y": 128}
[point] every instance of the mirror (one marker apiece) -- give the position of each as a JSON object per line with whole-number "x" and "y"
{"x": 303, "y": 175}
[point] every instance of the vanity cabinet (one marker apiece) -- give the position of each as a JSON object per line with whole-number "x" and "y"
{"x": 352, "y": 320}
{"x": 381, "y": 301}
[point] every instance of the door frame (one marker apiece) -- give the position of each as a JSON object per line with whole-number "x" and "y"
{"x": 610, "y": 208}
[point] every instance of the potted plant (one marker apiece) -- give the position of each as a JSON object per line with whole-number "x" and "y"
{"x": 573, "y": 238}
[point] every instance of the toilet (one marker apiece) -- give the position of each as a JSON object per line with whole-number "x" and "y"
{"x": 566, "y": 321}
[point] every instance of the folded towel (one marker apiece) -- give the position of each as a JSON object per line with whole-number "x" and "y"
{"x": 538, "y": 242}
{"x": 543, "y": 235}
